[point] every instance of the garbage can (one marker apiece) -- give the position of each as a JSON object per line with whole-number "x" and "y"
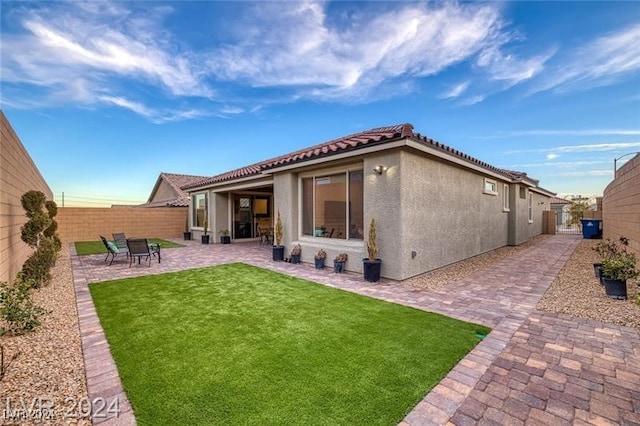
{"x": 591, "y": 228}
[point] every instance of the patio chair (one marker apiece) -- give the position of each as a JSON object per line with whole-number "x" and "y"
{"x": 139, "y": 248}
{"x": 120, "y": 239}
{"x": 112, "y": 249}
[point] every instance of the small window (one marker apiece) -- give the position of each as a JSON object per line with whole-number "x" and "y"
{"x": 490, "y": 187}
{"x": 505, "y": 197}
{"x": 523, "y": 193}
{"x": 200, "y": 208}
{"x": 530, "y": 208}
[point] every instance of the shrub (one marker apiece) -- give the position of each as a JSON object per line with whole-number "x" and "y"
{"x": 372, "y": 246}
{"x": 39, "y": 232}
{"x": 296, "y": 250}
{"x": 18, "y": 313}
{"x": 321, "y": 254}
{"x": 342, "y": 257}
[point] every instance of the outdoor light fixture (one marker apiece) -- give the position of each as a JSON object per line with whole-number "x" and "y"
{"x": 379, "y": 169}
{"x": 615, "y": 161}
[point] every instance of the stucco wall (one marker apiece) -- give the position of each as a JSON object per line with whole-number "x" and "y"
{"x": 165, "y": 192}
{"x": 445, "y": 215}
{"x": 621, "y": 205}
{"x": 88, "y": 223}
{"x": 18, "y": 174}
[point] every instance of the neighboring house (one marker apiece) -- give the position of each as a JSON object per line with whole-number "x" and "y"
{"x": 167, "y": 192}
{"x": 433, "y": 204}
{"x": 561, "y": 207}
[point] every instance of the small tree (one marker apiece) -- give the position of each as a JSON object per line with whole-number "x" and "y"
{"x": 39, "y": 232}
{"x": 372, "y": 246}
{"x": 576, "y": 211}
{"x": 278, "y": 230}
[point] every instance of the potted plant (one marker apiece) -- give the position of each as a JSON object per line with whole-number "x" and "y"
{"x": 278, "y": 249}
{"x": 338, "y": 263}
{"x": 618, "y": 266}
{"x": 608, "y": 249}
{"x": 319, "y": 258}
{"x": 205, "y": 235}
{"x": 187, "y": 232}
{"x": 224, "y": 237}
{"x": 371, "y": 264}
{"x": 295, "y": 254}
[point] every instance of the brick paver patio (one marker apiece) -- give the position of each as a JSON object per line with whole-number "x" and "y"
{"x": 533, "y": 368}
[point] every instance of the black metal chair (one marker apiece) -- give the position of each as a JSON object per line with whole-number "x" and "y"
{"x": 139, "y": 248}
{"x": 112, "y": 249}
{"x": 121, "y": 240}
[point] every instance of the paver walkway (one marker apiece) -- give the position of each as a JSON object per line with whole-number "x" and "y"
{"x": 533, "y": 368}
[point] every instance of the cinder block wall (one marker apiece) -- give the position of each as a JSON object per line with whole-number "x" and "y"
{"x": 621, "y": 205}
{"x": 88, "y": 223}
{"x": 18, "y": 174}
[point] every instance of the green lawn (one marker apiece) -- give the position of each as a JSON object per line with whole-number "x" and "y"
{"x": 236, "y": 344}
{"x": 96, "y": 247}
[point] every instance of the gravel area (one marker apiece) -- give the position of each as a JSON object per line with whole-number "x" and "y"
{"x": 48, "y": 363}
{"x": 45, "y": 368}
{"x": 576, "y": 291}
{"x": 439, "y": 278}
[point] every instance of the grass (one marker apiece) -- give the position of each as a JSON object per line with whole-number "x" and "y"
{"x": 236, "y": 344}
{"x": 84, "y": 248}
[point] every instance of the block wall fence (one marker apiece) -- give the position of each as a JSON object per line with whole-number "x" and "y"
{"x": 18, "y": 174}
{"x": 621, "y": 205}
{"x": 88, "y": 223}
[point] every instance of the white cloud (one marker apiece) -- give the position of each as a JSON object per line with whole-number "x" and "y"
{"x": 595, "y": 147}
{"x": 552, "y": 156}
{"x": 455, "y": 91}
{"x": 472, "y": 100}
{"x": 566, "y": 132}
{"x": 155, "y": 116}
{"x": 299, "y": 48}
{"x": 600, "y": 62}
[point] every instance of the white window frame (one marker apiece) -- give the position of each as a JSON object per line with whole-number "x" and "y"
{"x": 194, "y": 208}
{"x": 505, "y": 197}
{"x": 493, "y": 184}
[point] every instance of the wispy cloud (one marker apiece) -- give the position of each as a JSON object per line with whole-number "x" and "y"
{"x": 565, "y": 132}
{"x": 455, "y": 91}
{"x": 600, "y": 62}
{"x": 472, "y": 100}
{"x": 155, "y": 116}
{"x": 595, "y": 147}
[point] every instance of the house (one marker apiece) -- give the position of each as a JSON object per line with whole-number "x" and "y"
{"x": 167, "y": 192}
{"x": 433, "y": 205}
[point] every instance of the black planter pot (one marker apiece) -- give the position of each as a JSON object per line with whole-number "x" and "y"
{"x": 187, "y": 236}
{"x": 597, "y": 268}
{"x": 295, "y": 258}
{"x": 371, "y": 269}
{"x": 225, "y": 239}
{"x": 615, "y": 289}
{"x": 338, "y": 267}
{"x": 278, "y": 253}
{"x": 205, "y": 239}
{"x": 319, "y": 263}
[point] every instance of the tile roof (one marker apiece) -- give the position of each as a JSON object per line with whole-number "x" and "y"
{"x": 373, "y": 137}
{"x": 177, "y": 182}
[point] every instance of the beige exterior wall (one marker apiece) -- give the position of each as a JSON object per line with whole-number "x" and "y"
{"x": 422, "y": 205}
{"x": 445, "y": 216}
{"x": 88, "y": 223}
{"x": 165, "y": 192}
{"x": 18, "y": 174}
{"x": 621, "y": 205}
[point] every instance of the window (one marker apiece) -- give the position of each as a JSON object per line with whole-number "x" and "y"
{"x": 332, "y": 205}
{"x": 523, "y": 192}
{"x": 530, "y": 208}
{"x": 200, "y": 210}
{"x": 490, "y": 187}
{"x": 505, "y": 197}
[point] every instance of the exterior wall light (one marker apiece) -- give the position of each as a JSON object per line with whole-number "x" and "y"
{"x": 379, "y": 169}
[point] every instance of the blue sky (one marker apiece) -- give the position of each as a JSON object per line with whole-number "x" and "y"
{"x": 106, "y": 95}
